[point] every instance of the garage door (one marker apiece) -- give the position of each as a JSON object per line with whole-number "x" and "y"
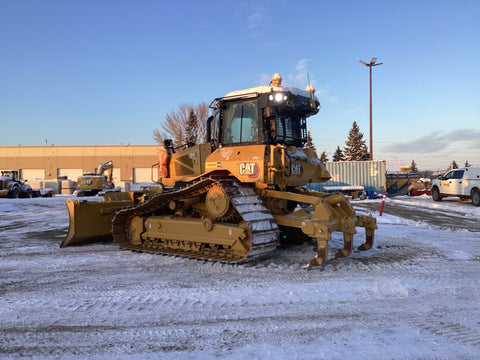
{"x": 71, "y": 174}
{"x": 142, "y": 175}
{"x": 31, "y": 174}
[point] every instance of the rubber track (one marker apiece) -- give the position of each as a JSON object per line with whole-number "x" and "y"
{"x": 262, "y": 225}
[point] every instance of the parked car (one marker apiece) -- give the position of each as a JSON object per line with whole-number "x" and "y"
{"x": 463, "y": 182}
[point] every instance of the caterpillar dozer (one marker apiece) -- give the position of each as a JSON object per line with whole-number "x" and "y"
{"x": 237, "y": 196}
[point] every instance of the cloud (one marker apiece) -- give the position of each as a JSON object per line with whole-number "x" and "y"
{"x": 301, "y": 68}
{"x": 437, "y": 141}
{"x": 297, "y": 78}
{"x": 324, "y": 93}
{"x": 302, "y": 65}
{"x": 431, "y": 142}
{"x": 469, "y": 136}
{"x": 256, "y": 17}
{"x": 264, "y": 78}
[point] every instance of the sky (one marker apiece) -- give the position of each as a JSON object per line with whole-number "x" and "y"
{"x": 107, "y": 72}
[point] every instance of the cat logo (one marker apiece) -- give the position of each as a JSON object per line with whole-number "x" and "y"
{"x": 296, "y": 169}
{"x": 250, "y": 169}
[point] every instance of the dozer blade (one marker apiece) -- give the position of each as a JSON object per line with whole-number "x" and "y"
{"x": 91, "y": 221}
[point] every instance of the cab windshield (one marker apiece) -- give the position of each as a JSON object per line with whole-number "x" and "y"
{"x": 288, "y": 130}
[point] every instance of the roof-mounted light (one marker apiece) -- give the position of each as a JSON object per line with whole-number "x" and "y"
{"x": 278, "y": 97}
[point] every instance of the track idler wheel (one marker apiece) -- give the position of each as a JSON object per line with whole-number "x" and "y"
{"x": 217, "y": 201}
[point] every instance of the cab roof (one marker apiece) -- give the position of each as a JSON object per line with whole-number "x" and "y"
{"x": 267, "y": 89}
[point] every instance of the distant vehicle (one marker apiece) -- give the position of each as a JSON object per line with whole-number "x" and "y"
{"x": 420, "y": 187}
{"x": 463, "y": 182}
{"x": 12, "y": 187}
{"x": 91, "y": 183}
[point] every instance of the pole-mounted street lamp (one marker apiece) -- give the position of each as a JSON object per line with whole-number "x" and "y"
{"x": 370, "y": 65}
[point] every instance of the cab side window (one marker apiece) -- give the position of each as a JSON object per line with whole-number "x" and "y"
{"x": 458, "y": 174}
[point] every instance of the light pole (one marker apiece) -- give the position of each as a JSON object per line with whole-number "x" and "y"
{"x": 370, "y": 65}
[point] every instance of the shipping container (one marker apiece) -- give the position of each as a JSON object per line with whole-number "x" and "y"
{"x": 369, "y": 174}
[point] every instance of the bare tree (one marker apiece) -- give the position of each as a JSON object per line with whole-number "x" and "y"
{"x": 185, "y": 124}
{"x": 324, "y": 156}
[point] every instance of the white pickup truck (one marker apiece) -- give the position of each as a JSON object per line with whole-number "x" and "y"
{"x": 464, "y": 183}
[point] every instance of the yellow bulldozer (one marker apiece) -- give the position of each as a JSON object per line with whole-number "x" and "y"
{"x": 236, "y": 197}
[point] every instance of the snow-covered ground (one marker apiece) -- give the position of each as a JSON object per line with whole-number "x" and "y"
{"x": 415, "y": 295}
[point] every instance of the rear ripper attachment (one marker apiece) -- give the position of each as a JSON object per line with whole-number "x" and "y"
{"x": 322, "y": 215}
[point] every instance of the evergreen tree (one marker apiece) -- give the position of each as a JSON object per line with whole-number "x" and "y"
{"x": 323, "y": 157}
{"x": 413, "y": 166}
{"x": 192, "y": 128}
{"x": 355, "y": 149}
{"x": 338, "y": 155}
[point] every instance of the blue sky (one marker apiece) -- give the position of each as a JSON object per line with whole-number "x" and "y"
{"x": 107, "y": 72}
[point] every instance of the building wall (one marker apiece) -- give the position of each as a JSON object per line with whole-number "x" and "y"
{"x": 71, "y": 160}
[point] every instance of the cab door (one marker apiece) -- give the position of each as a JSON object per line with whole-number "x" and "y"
{"x": 452, "y": 182}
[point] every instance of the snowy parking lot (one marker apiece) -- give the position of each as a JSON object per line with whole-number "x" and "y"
{"x": 415, "y": 295}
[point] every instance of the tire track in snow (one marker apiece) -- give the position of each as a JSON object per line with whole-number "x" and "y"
{"x": 454, "y": 331}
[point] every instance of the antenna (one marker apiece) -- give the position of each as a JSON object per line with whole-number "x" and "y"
{"x": 310, "y": 88}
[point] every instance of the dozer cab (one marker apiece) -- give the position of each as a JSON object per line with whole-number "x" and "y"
{"x": 240, "y": 194}
{"x": 91, "y": 183}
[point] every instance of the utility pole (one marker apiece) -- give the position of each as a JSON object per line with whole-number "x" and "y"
{"x": 370, "y": 65}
